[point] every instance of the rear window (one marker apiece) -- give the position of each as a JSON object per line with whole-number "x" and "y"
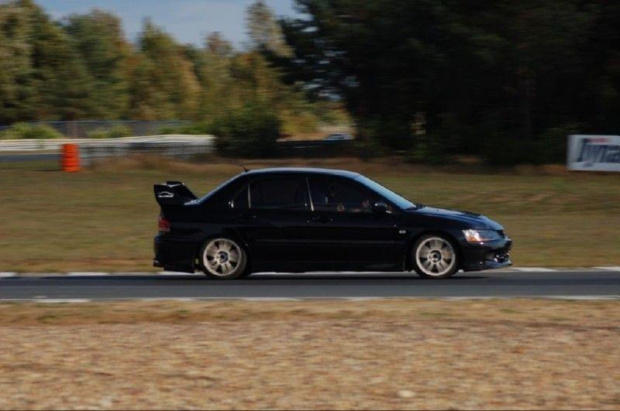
{"x": 289, "y": 193}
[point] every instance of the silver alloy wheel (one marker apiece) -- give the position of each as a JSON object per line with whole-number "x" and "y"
{"x": 222, "y": 257}
{"x": 435, "y": 256}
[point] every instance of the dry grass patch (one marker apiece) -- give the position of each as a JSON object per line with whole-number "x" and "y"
{"x": 531, "y": 312}
{"x": 105, "y": 218}
{"x": 394, "y": 354}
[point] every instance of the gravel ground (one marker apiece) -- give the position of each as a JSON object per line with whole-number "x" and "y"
{"x": 393, "y": 354}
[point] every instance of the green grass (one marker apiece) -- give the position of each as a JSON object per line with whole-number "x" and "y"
{"x": 105, "y": 219}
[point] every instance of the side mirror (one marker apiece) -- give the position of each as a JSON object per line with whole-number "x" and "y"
{"x": 380, "y": 208}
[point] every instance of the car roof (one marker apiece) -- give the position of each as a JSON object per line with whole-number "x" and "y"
{"x": 302, "y": 170}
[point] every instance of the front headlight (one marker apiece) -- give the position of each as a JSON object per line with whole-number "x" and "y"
{"x": 481, "y": 236}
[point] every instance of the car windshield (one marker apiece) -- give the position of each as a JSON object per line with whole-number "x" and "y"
{"x": 388, "y": 194}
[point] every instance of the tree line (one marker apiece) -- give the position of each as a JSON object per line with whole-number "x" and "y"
{"x": 84, "y": 67}
{"x": 502, "y": 78}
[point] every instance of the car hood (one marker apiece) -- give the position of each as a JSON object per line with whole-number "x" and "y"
{"x": 472, "y": 220}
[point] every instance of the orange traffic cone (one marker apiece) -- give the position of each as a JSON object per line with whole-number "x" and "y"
{"x": 70, "y": 158}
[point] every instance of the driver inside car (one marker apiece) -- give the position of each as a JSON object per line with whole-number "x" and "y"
{"x": 331, "y": 198}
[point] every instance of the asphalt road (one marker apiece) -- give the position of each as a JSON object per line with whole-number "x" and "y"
{"x": 19, "y": 158}
{"x": 316, "y": 285}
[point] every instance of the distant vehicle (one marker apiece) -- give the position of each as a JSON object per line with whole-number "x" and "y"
{"x": 305, "y": 219}
{"x": 338, "y": 137}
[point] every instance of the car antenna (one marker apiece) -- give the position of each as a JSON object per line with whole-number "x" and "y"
{"x": 245, "y": 170}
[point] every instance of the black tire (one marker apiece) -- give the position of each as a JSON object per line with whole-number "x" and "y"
{"x": 435, "y": 256}
{"x": 223, "y": 258}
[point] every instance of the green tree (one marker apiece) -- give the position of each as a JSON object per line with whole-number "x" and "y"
{"x": 263, "y": 29}
{"x": 217, "y": 95}
{"x": 379, "y": 56}
{"x": 600, "y": 79}
{"x": 104, "y": 51}
{"x": 251, "y": 131}
{"x": 163, "y": 81}
{"x": 480, "y": 73}
{"x": 16, "y": 90}
{"x": 59, "y": 77}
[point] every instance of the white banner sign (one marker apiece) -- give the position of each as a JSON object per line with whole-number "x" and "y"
{"x": 593, "y": 153}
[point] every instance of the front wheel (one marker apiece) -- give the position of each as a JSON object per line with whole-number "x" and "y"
{"x": 223, "y": 259}
{"x": 435, "y": 256}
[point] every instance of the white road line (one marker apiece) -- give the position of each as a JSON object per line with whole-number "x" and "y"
{"x": 64, "y": 300}
{"x": 535, "y": 269}
{"x": 611, "y": 269}
{"x": 584, "y": 297}
{"x": 534, "y": 297}
{"x": 337, "y": 273}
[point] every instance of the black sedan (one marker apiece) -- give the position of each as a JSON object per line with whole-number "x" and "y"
{"x": 305, "y": 219}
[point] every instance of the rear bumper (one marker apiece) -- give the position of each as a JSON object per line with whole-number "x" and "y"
{"x": 174, "y": 254}
{"x": 487, "y": 256}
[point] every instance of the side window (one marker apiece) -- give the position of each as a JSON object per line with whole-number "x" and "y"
{"x": 240, "y": 201}
{"x": 279, "y": 193}
{"x": 330, "y": 194}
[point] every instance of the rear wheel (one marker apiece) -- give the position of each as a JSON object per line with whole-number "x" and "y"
{"x": 223, "y": 259}
{"x": 435, "y": 256}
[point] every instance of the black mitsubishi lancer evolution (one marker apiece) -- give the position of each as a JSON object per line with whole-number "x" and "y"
{"x": 308, "y": 219}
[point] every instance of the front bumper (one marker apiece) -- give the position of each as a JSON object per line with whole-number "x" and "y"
{"x": 492, "y": 255}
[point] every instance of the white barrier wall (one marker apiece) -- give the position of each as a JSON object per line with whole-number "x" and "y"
{"x": 593, "y": 153}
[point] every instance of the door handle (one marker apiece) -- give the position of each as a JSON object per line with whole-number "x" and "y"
{"x": 247, "y": 217}
{"x": 321, "y": 219}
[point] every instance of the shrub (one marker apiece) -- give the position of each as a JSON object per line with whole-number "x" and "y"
{"x": 429, "y": 150}
{"x": 20, "y": 131}
{"x": 114, "y": 132}
{"x": 97, "y": 133}
{"x": 168, "y": 130}
{"x": 43, "y": 132}
{"x": 252, "y": 131}
{"x": 195, "y": 129}
{"x": 553, "y": 143}
{"x": 120, "y": 130}
{"x": 368, "y": 149}
{"x": 392, "y": 132}
{"x": 299, "y": 123}
{"x": 549, "y": 148}
{"x": 501, "y": 150}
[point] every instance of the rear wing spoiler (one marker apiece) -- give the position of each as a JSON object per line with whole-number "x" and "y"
{"x": 173, "y": 193}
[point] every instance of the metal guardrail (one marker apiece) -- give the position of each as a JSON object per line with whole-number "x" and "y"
{"x": 182, "y": 149}
{"x": 180, "y": 146}
{"x": 56, "y": 144}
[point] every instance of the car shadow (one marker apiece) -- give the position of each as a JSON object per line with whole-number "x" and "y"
{"x": 378, "y": 277}
{"x": 255, "y": 278}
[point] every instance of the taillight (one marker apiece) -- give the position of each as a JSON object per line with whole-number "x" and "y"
{"x": 163, "y": 224}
